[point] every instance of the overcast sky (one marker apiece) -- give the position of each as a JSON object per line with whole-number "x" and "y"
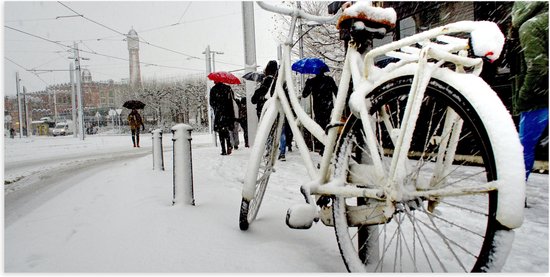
{"x": 177, "y": 32}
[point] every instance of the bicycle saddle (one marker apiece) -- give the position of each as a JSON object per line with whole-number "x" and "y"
{"x": 374, "y": 18}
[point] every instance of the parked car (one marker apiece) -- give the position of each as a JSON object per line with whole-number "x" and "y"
{"x": 63, "y": 128}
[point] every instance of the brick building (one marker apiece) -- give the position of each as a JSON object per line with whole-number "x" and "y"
{"x": 56, "y": 99}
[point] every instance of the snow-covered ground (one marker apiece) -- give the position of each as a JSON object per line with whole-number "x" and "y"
{"x": 97, "y": 206}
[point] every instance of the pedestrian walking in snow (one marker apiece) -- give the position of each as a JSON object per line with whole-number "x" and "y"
{"x": 322, "y": 89}
{"x": 242, "y": 119}
{"x": 530, "y": 99}
{"x": 135, "y": 121}
{"x": 268, "y": 84}
{"x": 221, "y": 101}
{"x": 234, "y": 129}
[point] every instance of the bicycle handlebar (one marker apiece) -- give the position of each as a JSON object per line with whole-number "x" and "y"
{"x": 298, "y": 13}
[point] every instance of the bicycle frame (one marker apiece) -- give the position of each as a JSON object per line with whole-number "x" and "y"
{"x": 365, "y": 77}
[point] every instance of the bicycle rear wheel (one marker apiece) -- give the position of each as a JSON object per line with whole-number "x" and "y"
{"x": 440, "y": 234}
{"x": 261, "y": 162}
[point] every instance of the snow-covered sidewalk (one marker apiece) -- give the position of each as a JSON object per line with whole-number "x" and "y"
{"x": 116, "y": 215}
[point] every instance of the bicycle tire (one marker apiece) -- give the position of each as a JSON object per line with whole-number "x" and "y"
{"x": 261, "y": 163}
{"x": 403, "y": 243}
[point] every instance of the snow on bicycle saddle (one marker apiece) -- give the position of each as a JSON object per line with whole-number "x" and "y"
{"x": 374, "y": 17}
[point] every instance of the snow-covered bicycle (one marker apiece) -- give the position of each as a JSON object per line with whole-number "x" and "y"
{"x": 425, "y": 173}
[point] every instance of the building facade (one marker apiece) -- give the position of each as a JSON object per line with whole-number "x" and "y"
{"x": 56, "y": 101}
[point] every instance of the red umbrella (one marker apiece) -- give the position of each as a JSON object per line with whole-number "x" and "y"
{"x": 224, "y": 77}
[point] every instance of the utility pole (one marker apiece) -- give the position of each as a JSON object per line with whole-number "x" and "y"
{"x": 210, "y": 67}
{"x": 26, "y": 111}
{"x": 54, "y": 105}
{"x": 19, "y": 105}
{"x": 214, "y": 70}
{"x": 208, "y": 87}
{"x": 214, "y": 59}
{"x": 250, "y": 65}
{"x": 73, "y": 99}
{"x": 79, "y": 92}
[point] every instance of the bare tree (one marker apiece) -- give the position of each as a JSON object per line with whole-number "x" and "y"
{"x": 174, "y": 101}
{"x": 321, "y": 41}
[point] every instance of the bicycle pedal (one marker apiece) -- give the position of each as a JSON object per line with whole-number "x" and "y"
{"x": 301, "y": 216}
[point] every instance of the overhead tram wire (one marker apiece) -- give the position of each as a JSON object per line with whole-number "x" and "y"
{"x": 122, "y": 34}
{"x": 96, "y": 53}
{"x": 184, "y": 12}
{"x": 181, "y": 23}
{"x": 33, "y": 73}
{"x": 140, "y": 39}
{"x": 185, "y": 22}
{"x": 57, "y": 58}
{"x": 31, "y": 19}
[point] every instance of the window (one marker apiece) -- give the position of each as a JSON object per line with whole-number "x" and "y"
{"x": 407, "y": 27}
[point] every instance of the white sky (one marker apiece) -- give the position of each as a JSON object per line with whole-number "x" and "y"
{"x": 201, "y": 23}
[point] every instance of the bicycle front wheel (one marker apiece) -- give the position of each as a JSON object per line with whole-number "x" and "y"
{"x": 447, "y": 233}
{"x": 260, "y": 167}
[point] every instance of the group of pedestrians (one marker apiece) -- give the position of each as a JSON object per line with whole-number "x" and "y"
{"x": 322, "y": 89}
{"x": 229, "y": 113}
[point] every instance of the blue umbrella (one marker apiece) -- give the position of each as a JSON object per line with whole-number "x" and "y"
{"x": 310, "y": 66}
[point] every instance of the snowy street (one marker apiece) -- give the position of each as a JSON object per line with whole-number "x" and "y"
{"x": 97, "y": 206}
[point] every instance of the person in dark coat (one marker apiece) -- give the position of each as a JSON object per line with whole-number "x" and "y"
{"x": 221, "y": 100}
{"x": 530, "y": 99}
{"x": 268, "y": 84}
{"x": 234, "y": 128}
{"x": 259, "y": 98}
{"x": 135, "y": 121}
{"x": 243, "y": 118}
{"x": 322, "y": 88}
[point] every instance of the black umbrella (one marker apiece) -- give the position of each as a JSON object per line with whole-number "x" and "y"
{"x": 134, "y": 104}
{"x": 254, "y": 76}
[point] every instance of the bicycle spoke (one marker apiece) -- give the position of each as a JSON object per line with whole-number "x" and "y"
{"x": 433, "y": 251}
{"x": 416, "y": 232}
{"x": 447, "y": 241}
{"x": 462, "y": 179}
{"x": 431, "y": 215}
{"x": 464, "y": 208}
{"x": 386, "y": 247}
{"x": 435, "y": 229}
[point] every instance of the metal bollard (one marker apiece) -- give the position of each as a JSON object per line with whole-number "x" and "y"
{"x": 183, "y": 165}
{"x": 158, "y": 156}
